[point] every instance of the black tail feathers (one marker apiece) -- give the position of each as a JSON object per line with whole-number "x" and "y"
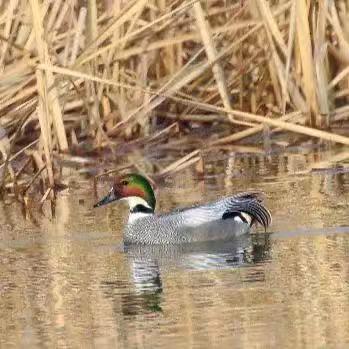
{"x": 250, "y": 204}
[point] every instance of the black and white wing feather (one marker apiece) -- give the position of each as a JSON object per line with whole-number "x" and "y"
{"x": 249, "y": 204}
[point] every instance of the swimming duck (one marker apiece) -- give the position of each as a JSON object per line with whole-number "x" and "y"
{"x": 222, "y": 219}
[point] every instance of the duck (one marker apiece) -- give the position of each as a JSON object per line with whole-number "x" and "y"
{"x": 222, "y": 219}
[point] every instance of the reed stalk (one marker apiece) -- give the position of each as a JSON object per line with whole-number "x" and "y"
{"x": 111, "y": 73}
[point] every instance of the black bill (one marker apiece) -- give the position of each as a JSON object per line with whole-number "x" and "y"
{"x": 110, "y": 197}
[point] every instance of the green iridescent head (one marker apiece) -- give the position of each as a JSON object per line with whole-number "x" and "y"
{"x": 127, "y": 186}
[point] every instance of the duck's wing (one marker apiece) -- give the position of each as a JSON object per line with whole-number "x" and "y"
{"x": 243, "y": 205}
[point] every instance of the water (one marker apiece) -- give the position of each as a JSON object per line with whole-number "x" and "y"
{"x": 69, "y": 282}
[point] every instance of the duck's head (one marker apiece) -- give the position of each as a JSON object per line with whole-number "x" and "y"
{"x": 135, "y": 189}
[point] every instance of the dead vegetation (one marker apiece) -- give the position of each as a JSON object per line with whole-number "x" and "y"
{"x": 79, "y": 76}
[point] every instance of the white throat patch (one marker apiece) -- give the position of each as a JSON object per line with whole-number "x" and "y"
{"x": 133, "y": 201}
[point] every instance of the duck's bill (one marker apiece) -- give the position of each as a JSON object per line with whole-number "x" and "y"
{"x": 110, "y": 197}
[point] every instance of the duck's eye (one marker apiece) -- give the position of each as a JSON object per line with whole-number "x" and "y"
{"x": 124, "y": 182}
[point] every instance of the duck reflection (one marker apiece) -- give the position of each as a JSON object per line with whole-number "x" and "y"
{"x": 149, "y": 263}
{"x": 194, "y": 256}
{"x": 148, "y": 260}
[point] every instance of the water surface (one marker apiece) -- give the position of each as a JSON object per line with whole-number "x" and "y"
{"x": 69, "y": 282}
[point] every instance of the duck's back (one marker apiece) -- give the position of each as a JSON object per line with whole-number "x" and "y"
{"x": 222, "y": 219}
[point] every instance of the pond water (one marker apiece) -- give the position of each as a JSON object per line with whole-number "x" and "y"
{"x": 69, "y": 283}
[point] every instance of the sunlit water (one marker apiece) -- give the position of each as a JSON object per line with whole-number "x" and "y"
{"x": 69, "y": 282}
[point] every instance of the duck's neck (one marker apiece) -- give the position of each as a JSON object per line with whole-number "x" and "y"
{"x": 138, "y": 208}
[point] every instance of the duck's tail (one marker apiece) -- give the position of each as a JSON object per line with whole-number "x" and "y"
{"x": 249, "y": 208}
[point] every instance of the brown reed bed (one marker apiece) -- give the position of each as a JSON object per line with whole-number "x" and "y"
{"x": 80, "y": 76}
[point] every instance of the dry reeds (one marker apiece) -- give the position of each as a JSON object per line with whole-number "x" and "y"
{"x": 116, "y": 71}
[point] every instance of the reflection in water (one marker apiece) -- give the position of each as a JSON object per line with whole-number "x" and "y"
{"x": 70, "y": 282}
{"x": 149, "y": 263}
{"x": 148, "y": 300}
{"x": 197, "y": 256}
